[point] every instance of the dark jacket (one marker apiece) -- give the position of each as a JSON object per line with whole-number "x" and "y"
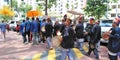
{"x": 62, "y": 26}
{"x": 68, "y": 38}
{"x": 48, "y": 29}
{"x": 79, "y": 30}
{"x": 95, "y": 34}
{"x": 56, "y": 28}
{"x": 114, "y": 40}
{"x": 89, "y": 27}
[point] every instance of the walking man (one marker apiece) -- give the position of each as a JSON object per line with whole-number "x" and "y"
{"x": 93, "y": 33}
{"x": 22, "y": 25}
{"x": 67, "y": 40}
{"x": 3, "y": 30}
{"x": 49, "y": 31}
{"x": 80, "y": 34}
{"x": 27, "y": 30}
{"x": 35, "y": 30}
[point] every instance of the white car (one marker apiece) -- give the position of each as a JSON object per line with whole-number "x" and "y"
{"x": 106, "y": 25}
{"x": 12, "y": 24}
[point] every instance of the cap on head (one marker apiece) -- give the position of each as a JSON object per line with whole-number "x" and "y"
{"x": 80, "y": 18}
{"x": 92, "y": 19}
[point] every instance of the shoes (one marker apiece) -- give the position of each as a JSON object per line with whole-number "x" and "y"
{"x": 87, "y": 54}
{"x": 51, "y": 48}
{"x": 97, "y": 59}
{"x": 26, "y": 42}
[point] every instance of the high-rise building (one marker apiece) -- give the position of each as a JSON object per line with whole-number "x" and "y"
{"x": 62, "y": 6}
{"x": 115, "y": 10}
{"x": 3, "y": 3}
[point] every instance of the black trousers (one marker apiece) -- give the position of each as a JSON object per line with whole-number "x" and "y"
{"x": 27, "y": 36}
{"x": 92, "y": 47}
{"x": 43, "y": 37}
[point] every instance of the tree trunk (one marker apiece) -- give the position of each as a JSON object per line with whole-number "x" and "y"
{"x": 46, "y": 7}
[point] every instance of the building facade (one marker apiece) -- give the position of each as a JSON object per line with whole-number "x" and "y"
{"x": 115, "y": 10}
{"x": 63, "y": 6}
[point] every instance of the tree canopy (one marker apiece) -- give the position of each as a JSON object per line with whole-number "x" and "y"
{"x": 97, "y": 8}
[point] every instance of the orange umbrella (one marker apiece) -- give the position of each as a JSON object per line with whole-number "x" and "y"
{"x": 34, "y": 13}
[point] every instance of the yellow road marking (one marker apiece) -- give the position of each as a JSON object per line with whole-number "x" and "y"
{"x": 51, "y": 55}
{"x": 77, "y": 53}
{"x": 37, "y": 56}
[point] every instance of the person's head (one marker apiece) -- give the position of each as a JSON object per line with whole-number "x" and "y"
{"x": 56, "y": 22}
{"x": 23, "y": 21}
{"x": 37, "y": 19}
{"x": 43, "y": 20}
{"x": 48, "y": 19}
{"x": 80, "y": 20}
{"x": 3, "y": 21}
{"x": 27, "y": 18}
{"x": 68, "y": 22}
{"x": 92, "y": 20}
{"x": 63, "y": 20}
{"x": 65, "y": 16}
{"x": 97, "y": 22}
{"x": 115, "y": 23}
{"x": 33, "y": 18}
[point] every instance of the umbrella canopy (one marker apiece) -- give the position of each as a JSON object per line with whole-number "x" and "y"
{"x": 6, "y": 11}
{"x": 34, "y": 13}
{"x": 74, "y": 12}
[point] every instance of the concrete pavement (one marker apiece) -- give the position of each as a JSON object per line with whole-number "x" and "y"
{"x": 14, "y": 49}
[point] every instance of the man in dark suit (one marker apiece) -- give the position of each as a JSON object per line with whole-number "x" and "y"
{"x": 93, "y": 33}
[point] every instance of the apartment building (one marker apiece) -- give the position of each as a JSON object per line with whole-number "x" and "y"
{"x": 115, "y": 10}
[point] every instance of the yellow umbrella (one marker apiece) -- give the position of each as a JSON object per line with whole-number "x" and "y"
{"x": 6, "y": 11}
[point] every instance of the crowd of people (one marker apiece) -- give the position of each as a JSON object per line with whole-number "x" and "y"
{"x": 35, "y": 31}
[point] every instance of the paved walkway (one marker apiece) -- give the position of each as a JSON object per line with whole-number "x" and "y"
{"x": 14, "y": 49}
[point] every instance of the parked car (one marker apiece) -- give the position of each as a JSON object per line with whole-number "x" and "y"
{"x": 12, "y": 25}
{"x": 106, "y": 25}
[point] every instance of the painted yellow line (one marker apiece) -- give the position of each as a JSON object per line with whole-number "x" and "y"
{"x": 77, "y": 53}
{"x": 37, "y": 56}
{"x": 51, "y": 55}
{"x": 85, "y": 48}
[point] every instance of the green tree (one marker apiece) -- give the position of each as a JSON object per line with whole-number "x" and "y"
{"x": 14, "y": 4}
{"x": 97, "y": 8}
{"x": 46, "y": 5}
{"x": 24, "y": 8}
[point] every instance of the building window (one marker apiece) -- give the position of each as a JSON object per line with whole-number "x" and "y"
{"x": 118, "y": 6}
{"x": 76, "y": 7}
{"x": 61, "y": 5}
{"x": 81, "y": 0}
{"x": 60, "y": 12}
{"x": 113, "y": 6}
{"x": 113, "y": 15}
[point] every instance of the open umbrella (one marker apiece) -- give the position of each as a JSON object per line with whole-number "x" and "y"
{"x": 74, "y": 12}
{"x": 34, "y": 13}
{"x": 6, "y": 11}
